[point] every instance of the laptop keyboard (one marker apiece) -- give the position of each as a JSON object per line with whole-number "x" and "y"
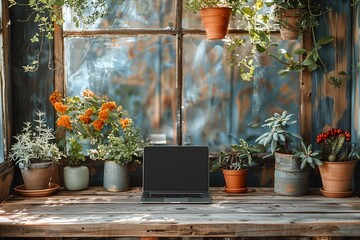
{"x": 175, "y": 195}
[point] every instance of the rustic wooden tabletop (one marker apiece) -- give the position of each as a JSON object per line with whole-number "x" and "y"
{"x": 97, "y": 213}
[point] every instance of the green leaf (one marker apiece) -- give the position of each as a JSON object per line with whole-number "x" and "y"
{"x": 260, "y": 48}
{"x": 299, "y": 51}
{"x": 325, "y": 40}
{"x": 312, "y": 67}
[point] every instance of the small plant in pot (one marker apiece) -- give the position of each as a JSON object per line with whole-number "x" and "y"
{"x": 296, "y": 17}
{"x": 235, "y": 163}
{"x": 289, "y": 178}
{"x": 122, "y": 149}
{"x": 36, "y": 153}
{"x": 215, "y": 15}
{"x": 339, "y": 156}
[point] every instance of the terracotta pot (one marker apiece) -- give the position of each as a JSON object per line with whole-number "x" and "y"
{"x": 337, "y": 176}
{"x": 289, "y": 20}
{"x": 235, "y": 180}
{"x": 289, "y": 178}
{"x": 216, "y": 21}
{"x": 38, "y": 176}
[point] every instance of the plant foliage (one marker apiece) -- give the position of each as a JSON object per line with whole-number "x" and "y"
{"x": 35, "y": 143}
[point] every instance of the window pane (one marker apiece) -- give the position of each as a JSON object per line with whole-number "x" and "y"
{"x": 132, "y": 14}
{"x": 136, "y": 72}
{"x": 219, "y": 107}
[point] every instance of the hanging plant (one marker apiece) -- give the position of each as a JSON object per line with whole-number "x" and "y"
{"x": 48, "y": 13}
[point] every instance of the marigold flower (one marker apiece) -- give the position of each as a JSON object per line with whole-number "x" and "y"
{"x": 108, "y": 105}
{"x": 103, "y": 115}
{"x": 125, "y": 122}
{"x": 87, "y": 93}
{"x": 64, "y": 121}
{"x": 98, "y": 124}
{"x": 84, "y": 119}
{"x": 55, "y": 97}
{"x": 60, "y": 107}
{"x": 88, "y": 112}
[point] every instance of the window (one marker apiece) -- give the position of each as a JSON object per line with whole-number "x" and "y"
{"x": 171, "y": 78}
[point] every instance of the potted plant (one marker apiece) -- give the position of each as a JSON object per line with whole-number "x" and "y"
{"x": 119, "y": 151}
{"x": 36, "y": 153}
{"x": 235, "y": 163}
{"x": 292, "y": 17}
{"x": 289, "y": 178}
{"x": 339, "y": 157}
{"x": 88, "y": 119}
{"x": 215, "y": 15}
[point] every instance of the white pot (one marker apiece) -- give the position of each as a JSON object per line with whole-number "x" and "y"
{"x": 76, "y": 177}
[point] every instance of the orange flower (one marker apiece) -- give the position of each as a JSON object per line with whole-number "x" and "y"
{"x": 88, "y": 112}
{"x": 98, "y": 124}
{"x": 103, "y": 115}
{"x": 108, "y": 105}
{"x": 60, "y": 107}
{"x": 87, "y": 93}
{"x": 55, "y": 97}
{"x": 84, "y": 119}
{"x": 125, "y": 122}
{"x": 64, "y": 121}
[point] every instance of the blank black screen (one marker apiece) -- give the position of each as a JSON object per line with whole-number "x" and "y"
{"x": 176, "y": 168}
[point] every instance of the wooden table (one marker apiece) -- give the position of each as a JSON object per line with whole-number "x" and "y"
{"x": 97, "y": 213}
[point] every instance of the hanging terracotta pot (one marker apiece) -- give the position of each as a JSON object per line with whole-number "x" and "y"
{"x": 216, "y": 21}
{"x": 289, "y": 178}
{"x": 235, "y": 180}
{"x": 289, "y": 21}
{"x": 337, "y": 178}
{"x": 116, "y": 177}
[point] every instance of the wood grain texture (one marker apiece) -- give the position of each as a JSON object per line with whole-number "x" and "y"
{"x": 258, "y": 213}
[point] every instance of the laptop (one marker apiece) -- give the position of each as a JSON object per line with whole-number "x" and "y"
{"x": 175, "y": 174}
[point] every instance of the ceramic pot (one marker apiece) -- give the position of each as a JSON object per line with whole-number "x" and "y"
{"x": 76, "y": 178}
{"x": 116, "y": 177}
{"x": 235, "y": 180}
{"x": 337, "y": 177}
{"x": 290, "y": 20}
{"x": 289, "y": 178}
{"x": 38, "y": 176}
{"x": 216, "y": 21}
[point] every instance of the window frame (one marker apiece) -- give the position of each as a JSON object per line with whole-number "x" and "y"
{"x": 305, "y": 106}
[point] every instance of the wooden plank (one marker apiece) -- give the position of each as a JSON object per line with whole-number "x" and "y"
{"x": 96, "y": 213}
{"x": 175, "y": 225}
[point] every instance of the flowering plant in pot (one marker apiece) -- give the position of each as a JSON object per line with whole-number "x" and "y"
{"x": 88, "y": 119}
{"x": 234, "y": 165}
{"x": 122, "y": 148}
{"x": 339, "y": 157}
{"x": 289, "y": 178}
{"x": 36, "y": 153}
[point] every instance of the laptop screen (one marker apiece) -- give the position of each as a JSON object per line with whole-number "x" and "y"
{"x": 176, "y": 168}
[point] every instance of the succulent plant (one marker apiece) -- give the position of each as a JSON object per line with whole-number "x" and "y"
{"x": 308, "y": 156}
{"x": 240, "y": 157}
{"x": 279, "y": 137}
